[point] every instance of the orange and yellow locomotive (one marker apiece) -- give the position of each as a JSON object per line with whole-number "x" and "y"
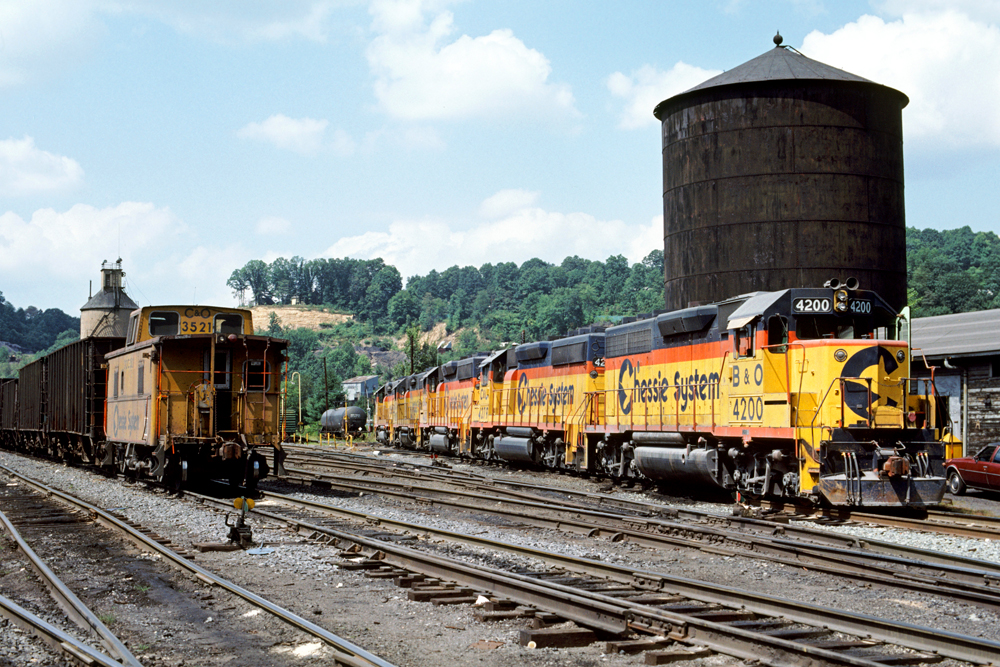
{"x": 800, "y": 393}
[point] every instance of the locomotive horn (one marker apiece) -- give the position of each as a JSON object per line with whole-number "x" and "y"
{"x": 832, "y": 283}
{"x": 851, "y": 283}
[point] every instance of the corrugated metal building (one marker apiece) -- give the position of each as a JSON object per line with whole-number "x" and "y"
{"x": 965, "y": 355}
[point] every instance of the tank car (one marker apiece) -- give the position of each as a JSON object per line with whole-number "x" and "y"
{"x": 340, "y": 421}
{"x": 194, "y": 394}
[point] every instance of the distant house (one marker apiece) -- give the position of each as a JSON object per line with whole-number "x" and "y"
{"x": 360, "y": 388}
{"x": 964, "y": 351}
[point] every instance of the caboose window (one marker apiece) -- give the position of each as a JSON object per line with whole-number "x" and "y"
{"x": 256, "y": 375}
{"x": 228, "y": 323}
{"x": 163, "y": 323}
{"x": 222, "y": 367}
{"x": 133, "y": 329}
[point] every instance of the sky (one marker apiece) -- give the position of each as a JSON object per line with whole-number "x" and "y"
{"x": 189, "y": 137}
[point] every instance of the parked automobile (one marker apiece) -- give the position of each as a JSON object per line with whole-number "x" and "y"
{"x": 981, "y": 471}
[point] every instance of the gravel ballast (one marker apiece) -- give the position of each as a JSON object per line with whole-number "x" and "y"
{"x": 376, "y": 615}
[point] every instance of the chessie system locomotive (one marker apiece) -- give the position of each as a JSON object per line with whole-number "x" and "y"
{"x": 799, "y": 393}
{"x": 188, "y": 393}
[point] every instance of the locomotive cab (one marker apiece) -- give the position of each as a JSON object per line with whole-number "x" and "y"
{"x": 824, "y": 363}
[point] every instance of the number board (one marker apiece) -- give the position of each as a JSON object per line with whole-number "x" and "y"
{"x": 860, "y": 307}
{"x": 196, "y": 321}
{"x": 813, "y": 305}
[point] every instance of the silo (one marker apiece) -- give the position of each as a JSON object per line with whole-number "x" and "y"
{"x": 106, "y": 313}
{"x": 782, "y": 172}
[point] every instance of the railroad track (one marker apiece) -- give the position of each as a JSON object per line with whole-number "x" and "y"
{"x": 889, "y": 566}
{"x": 346, "y": 653}
{"x": 33, "y": 511}
{"x": 938, "y": 521}
{"x": 626, "y": 603}
{"x": 934, "y": 520}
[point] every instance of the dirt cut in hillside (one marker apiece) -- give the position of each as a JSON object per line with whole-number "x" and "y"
{"x": 295, "y": 317}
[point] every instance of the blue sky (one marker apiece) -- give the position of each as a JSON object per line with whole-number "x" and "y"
{"x": 190, "y": 137}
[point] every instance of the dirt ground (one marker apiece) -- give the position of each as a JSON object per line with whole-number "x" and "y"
{"x": 294, "y": 317}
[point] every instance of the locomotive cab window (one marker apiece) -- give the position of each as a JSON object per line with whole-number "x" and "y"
{"x": 777, "y": 333}
{"x": 163, "y": 323}
{"x": 228, "y": 323}
{"x": 743, "y": 340}
{"x": 256, "y": 375}
{"x": 833, "y": 326}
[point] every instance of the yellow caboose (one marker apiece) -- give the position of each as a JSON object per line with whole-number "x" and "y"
{"x": 193, "y": 395}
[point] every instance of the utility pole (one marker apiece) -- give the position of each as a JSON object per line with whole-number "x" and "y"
{"x": 326, "y": 388}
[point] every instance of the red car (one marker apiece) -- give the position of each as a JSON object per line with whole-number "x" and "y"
{"x": 981, "y": 471}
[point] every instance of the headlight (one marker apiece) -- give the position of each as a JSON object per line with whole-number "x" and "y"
{"x": 840, "y": 355}
{"x": 841, "y": 296}
{"x": 900, "y": 355}
{"x": 841, "y": 306}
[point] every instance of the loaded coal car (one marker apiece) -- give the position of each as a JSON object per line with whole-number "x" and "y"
{"x": 194, "y": 394}
{"x": 799, "y": 393}
{"x": 60, "y": 402}
{"x": 344, "y": 421}
{"x": 8, "y": 412}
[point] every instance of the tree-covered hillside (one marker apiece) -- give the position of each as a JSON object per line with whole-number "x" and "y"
{"x": 33, "y": 329}
{"x": 952, "y": 271}
{"x": 504, "y": 301}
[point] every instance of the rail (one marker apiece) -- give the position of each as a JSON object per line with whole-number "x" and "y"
{"x": 617, "y": 615}
{"x": 350, "y": 655}
{"x": 53, "y": 636}
{"x": 75, "y": 609}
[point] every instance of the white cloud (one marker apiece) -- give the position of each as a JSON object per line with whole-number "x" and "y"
{"x": 507, "y": 201}
{"x": 41, "y": 36}
{"x": 38, "y": 36}
{"x": 49, "y": 260}
{"x": 947, "y": 63}
{"x": 302, "y": 135}
{"x": 982, "y": 10}
{"x": 343, "y": 144}
{"x": 416, "y": 246}
{"x": 44, "y": 259}
{"x": 26, "y": 170}
{"x": 646, "y": 87}
{"x": 272, "y": 226}
{"x": 422, "y": 74}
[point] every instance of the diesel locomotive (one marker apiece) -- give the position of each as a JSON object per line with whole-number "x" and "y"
{"x": 797, "y": 394}
{"x": 189, "y": 393}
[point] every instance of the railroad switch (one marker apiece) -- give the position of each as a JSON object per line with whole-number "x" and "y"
{"x": 240, "y": 532}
